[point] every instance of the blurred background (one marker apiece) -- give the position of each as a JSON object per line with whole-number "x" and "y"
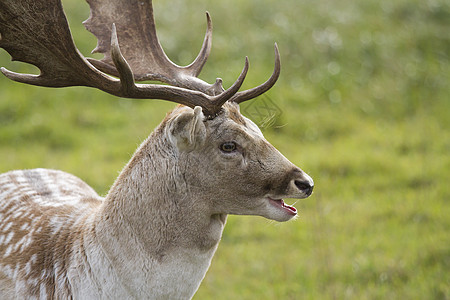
{"x": 362, "y": 105}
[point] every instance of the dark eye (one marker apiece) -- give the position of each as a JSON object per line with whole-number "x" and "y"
{"x": 228, "y": 147}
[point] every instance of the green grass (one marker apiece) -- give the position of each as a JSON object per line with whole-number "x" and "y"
{"x": 365, "y": 102}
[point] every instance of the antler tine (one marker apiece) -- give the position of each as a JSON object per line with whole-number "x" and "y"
{"x": 261, "y": 89}
{"x": 23, "y": 78}
{"x": 196, "y": 66}
{"x": 125, "y": 72}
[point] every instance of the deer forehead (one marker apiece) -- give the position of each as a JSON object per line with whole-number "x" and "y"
{"x": 231, "y": 121}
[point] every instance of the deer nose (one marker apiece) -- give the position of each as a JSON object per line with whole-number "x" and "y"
{"x": 306, "y": 186}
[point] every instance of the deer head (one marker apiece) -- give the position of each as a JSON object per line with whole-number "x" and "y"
{"x": 227, "y": 159}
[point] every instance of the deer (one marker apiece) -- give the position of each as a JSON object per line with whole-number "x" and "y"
{"x": 155, "y": 232}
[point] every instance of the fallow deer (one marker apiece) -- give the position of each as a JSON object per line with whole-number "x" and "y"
{"x": 154, "y": 234}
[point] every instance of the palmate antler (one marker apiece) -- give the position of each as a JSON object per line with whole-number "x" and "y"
{"x": 37, "y": 32}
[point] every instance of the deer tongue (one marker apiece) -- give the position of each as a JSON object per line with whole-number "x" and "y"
{"x": 280, "y": 203}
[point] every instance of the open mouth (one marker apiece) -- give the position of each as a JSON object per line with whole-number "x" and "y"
{"x": 280, "y": 204}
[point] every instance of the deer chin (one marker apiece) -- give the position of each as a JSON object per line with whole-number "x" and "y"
{"x": 284, "y": 212}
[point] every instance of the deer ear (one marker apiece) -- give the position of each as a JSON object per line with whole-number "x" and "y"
{"x": 187, "y": 130}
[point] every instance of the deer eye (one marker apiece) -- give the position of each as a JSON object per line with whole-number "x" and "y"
{"x": 228, "y": 147}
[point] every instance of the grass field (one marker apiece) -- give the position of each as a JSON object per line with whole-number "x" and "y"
{"x": 365, "y": 109}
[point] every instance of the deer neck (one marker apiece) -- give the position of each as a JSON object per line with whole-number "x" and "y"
{"x": 151, "y": 218}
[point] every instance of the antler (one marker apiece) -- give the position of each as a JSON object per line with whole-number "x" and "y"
{"x": 261, "y": 89}
{"x": 141, "y": 46}
{"x": 37, "y": 32}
